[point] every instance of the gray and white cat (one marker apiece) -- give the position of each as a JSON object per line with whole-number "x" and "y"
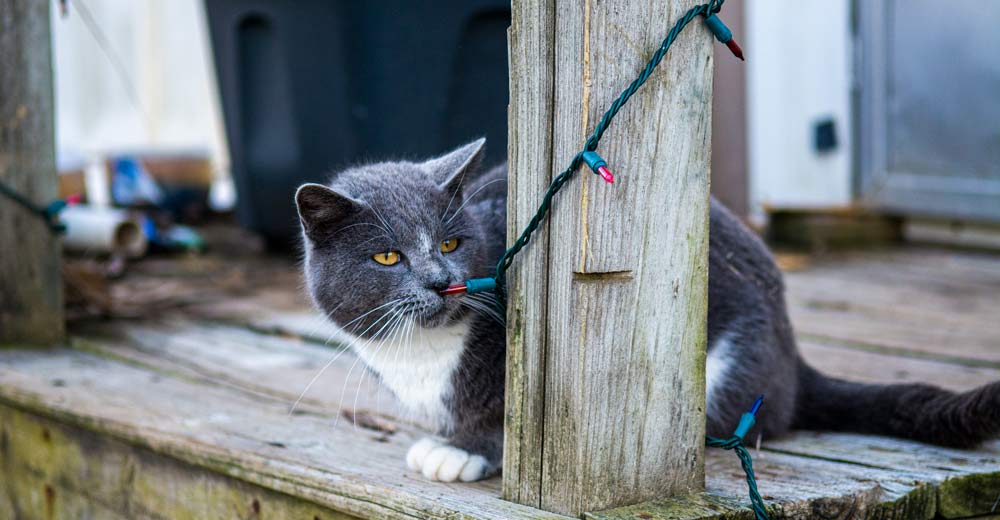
{"x": 383, "y": 239}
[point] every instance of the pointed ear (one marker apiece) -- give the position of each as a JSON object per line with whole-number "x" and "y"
{"x": 320, "y": 208}
{"x": 449, "y": 170}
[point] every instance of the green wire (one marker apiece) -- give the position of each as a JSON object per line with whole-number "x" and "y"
{"x": 47, "y": 213}
{"x": 736, "y": 444}
{"x": 560, "y": 180}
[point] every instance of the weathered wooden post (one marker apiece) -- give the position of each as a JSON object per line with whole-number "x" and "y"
{"x": 31, "y": 302}
{"x": 607, "y": 308}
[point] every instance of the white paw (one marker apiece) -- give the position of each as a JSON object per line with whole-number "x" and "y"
{"x": 439, "y": 461}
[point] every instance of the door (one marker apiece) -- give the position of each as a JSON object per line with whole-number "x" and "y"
{"x": 929, "y": 107}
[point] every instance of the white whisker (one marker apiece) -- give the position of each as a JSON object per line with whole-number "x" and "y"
{"x": 375, "y": 337}
{"x": 484, "y": 307}
{"x": 469, "y": 199}
{"x": 386, "y": 304}
{"x": 388, "y": 340}
{"x": 457, "y": 190}
{"x": 378, "y": 215}
{"x": 330, "y": 363}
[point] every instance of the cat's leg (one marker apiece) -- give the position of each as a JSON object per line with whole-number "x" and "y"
{"x": 474, "y": 447}
{"x": 458, "y": 459}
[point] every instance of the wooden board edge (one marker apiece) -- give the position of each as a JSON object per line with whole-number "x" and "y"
{"x": 920, "y": 503}
{"x": 62, "y": 471}
{"x": 344, "y": 496}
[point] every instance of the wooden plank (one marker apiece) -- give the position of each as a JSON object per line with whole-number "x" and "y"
{"x": 967, "y": 481}
{"x": 962, "y": 290}
{"x": 935, "y": 259}
{"x": 52, "y": 470}
{"x": 624, "y": 279}
{"x": 351, "y": 470}
{"x": 901, "y": 306}
{"x": 841, "y": 476}
{"x": 278, "y": 367}
{"x": 531, "y": 56}
{"x": 274, "y": 366}
{"x": 890, "y": 300}
{"x": 220, "y": 448}
{"x": 234, "y": 360}
{"x": 31, "y": 300}
{"x": 958, "y": 275}
{"x": 871, "y": 367}
{"x": 793, "y": 487}
{"x": 921, "y": 303}
{"x": 957, "y": 344}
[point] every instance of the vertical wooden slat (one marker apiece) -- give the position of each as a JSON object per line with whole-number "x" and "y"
{"x": 531, "y": 55}
{"x": 607, "y": 318}
{"x": 31, "y": 307}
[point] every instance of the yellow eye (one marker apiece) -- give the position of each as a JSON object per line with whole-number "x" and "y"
{"x": 449, "y": 245}
{"x": 390, "y": 258}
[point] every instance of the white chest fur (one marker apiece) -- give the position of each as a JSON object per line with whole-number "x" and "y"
{"x": 418, "y": 368}
{"x": 717, "y": 367}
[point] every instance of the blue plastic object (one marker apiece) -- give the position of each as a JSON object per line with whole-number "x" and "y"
{"x": 593, "y": 160}
{"x": 748, "y": 419}
{"x": 719, "y": 29}
{"x": 477, "y": 285}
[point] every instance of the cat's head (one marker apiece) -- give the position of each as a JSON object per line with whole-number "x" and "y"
{"x": 382, "y": 239}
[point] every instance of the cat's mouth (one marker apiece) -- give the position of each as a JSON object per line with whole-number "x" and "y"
{"x": 436, "y": 314}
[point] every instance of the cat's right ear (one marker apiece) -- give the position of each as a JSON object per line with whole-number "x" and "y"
{"x": 321, "y": 208}
{"x": 449, "y": 170}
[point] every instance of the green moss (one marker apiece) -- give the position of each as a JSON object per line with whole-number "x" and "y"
{"x": 918, "y": 504}
{"x": 689, "y": 507}
{"x": 57, "y": 471}
{"x": 969, "y": 495}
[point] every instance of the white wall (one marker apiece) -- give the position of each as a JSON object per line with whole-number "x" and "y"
{"x": 798, "y": 72}
{"x": 164, "y": 49}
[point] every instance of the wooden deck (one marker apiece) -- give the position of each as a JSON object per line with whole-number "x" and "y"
{"x": 179, "y": 408}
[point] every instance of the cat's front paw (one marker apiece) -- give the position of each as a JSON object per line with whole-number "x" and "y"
{"x": 439, "y": 461}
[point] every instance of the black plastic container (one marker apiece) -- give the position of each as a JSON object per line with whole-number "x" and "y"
{"x": 314, "y": 85}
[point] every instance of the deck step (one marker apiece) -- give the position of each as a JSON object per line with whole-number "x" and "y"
{"x": 187, "y": 414}
{"x": 213, "y": 400}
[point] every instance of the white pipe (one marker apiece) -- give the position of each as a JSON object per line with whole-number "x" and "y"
{"x": 92, "y": 229}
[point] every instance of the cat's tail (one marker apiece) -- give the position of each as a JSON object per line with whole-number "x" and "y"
{"x": 912, "y": 411}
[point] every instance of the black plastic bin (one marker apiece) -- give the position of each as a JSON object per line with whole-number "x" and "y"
{"x": 309, "y": 86}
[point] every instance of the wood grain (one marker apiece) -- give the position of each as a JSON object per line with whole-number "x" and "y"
{"x": 617, "y": 361}
{"x": 274, "y": 366}
{"x": 967, "y": 482}
{"x": 143, "y": 412}
{"x": 880, "y": 368}
{"x": 919, "y": 303}
{"x": 52, "y": 470}
{"x": 531, "y": 42}
{"x": 31, "y": 300}
{"x": 242, "y": 435}
{"x": 227, "y": 443}
{"x": 794, "y": 487}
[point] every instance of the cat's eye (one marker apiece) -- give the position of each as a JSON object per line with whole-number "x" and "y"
{"x": 388, "y": 258}
{"x": 449, "y": 245}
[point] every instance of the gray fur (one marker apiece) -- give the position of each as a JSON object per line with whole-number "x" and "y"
{"x": 391, "y": 205}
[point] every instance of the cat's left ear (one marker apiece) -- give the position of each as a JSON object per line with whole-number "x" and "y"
{"x": 450, "y": 170}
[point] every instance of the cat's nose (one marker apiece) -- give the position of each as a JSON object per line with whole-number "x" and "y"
{"x": 438, "y": 284}
{"x": 434, "y": 276}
